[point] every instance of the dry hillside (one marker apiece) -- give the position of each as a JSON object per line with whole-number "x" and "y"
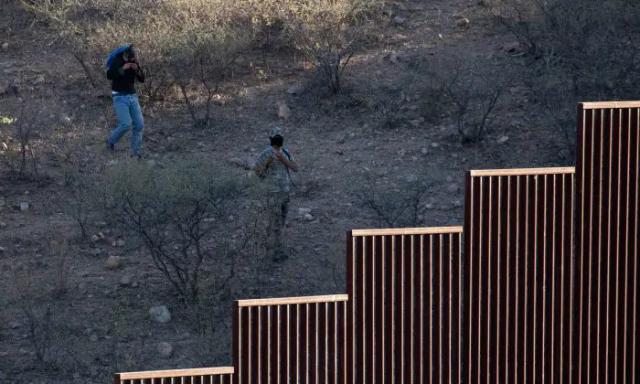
{"x": 384, "y": 150}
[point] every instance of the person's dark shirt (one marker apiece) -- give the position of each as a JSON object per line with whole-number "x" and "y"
{"x": 123, "y": 80}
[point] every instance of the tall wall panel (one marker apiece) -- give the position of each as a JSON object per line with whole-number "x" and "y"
{"x": 518, "y": 284}
{"x": 405, "y": 314}
{"x": 290, "y": 340}
{"x": 608, "y": 164}
{"x": 222, "y": 375}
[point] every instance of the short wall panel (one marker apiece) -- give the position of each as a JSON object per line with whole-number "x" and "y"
{"x": 290, "y": 340}
{"x": 405, "y": 316}
{"x": 223, "y": 375}
{"x": 518, "y": 266}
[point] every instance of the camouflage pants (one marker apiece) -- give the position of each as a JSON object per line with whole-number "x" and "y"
{"x": 277, "y": 209}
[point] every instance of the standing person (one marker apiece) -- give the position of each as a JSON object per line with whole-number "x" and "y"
{"x": 274, "y": 165}
{"x": 123, "y": 69}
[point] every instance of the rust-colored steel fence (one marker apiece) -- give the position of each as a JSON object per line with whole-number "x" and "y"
{"x": 222, "y": 375}
{"x": 608, "y": 233}
{"x": 517, "y": 308}
{"x": 290, "y": 340}
{"x": 518, "y": 266}
{"x": 405, "y": 316}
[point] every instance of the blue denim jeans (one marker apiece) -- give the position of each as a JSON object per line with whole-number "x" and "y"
{"x": 128, "y": 111}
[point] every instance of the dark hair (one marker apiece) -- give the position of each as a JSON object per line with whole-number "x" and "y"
{"x": 277, "y": 140}
{"x": 131, "y": 51}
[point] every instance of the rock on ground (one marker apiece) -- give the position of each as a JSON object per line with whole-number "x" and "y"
{"x": 165, "y": 349}
{"x": 160, "y": 314}
{"x": 113, "y": 262}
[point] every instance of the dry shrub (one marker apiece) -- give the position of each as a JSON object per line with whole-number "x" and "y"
{"x": 328, "y": 33}
{"x": 394, "y": 203}
{"x": 180, "y": 212}
{"x": 577, "y": 51}
{"x": 19, "y": 133}
{"x": 193, "y": 42}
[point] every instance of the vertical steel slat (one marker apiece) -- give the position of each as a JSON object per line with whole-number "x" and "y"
{"x": 421, "y": 311}
{"x": 410, "y": 358}
{"x": 551, "y": 310}
{"x": 507, "y": 278}
{"x": 627, "y": 152}
{"x": 636, "y": 278}
{"x": 451, "y": 305}
{"x": 482, "y": 366}
{"x": 431, "y": 289}
{"x": 469, "y": 273}
{"x": 498, "y": 279}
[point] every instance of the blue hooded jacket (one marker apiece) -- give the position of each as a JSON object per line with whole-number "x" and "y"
{"x": 115, "y": 54}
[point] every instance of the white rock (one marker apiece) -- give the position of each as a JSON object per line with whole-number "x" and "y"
{"x": 165, "y": 349}
{"x": 463, "y": 22}
{"x": 160, "y": 314}
{"x": 284, "y": 112}
{"x": 303, "y": 211}
{"x": 399, "y": 20}
{"x": 308, "y": 217}
{"x": 295, "y": 89}
{"x": 126, "y": 280}
{"x": 38, "y": 80}
{"x": 113, "y": 262}
{"x": 5, "y": 46}
{"x": 24, "y": 206}
{"x": 511, "y": 47}
{"x": 503, "y": 139}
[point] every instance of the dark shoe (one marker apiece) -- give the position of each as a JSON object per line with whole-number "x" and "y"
{"x": 110, "y": 146}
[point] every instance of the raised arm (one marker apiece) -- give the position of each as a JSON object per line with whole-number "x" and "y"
{"x": 287, "y": 160}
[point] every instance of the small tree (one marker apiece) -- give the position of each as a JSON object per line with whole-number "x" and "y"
{"x": 21, "y": 156}
{"x": 202, "y": 61}
{"x": 180, "y": 213}
{"x": 38, "y": 314}
{"x": 328, "y": 33}
{"x": 473, "y": 96}
{"x": 397, "y": 204}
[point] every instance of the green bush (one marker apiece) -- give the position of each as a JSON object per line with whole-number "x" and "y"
{"x": 180, "y": 213}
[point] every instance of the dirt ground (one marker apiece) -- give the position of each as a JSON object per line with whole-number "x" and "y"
{"x": 101, "y": 325}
